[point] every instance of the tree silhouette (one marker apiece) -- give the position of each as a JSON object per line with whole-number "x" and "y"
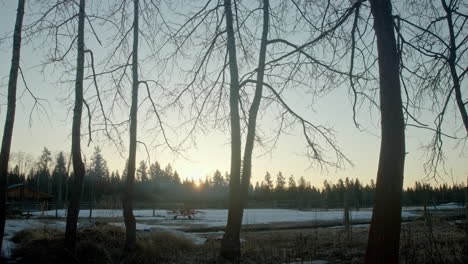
{"x": 384, "y": 235}
{"x": 59, "y": 177}
{"x": 433, "y": 50}
{"x": 78, "y": 165}
{"x": 10, "y": 116}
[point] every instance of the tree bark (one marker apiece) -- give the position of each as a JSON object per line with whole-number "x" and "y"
{"x": 346, "y": 218}
{"x": 466, "y": 217}
{"x": 78, "y": 166}
{"x": 384, "y": 234}
{"x": 10, "y": 116}
{"x": 130, "y": 224}
{"x": 230, "y": 246}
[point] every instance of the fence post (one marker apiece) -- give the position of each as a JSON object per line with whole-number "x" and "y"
{"x": 56, "y": 210}
{"x": 90, "y": 210}
{"x": 154, "y": 207}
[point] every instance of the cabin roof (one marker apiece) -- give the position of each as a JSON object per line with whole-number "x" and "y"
{"x": 15, "y": 185}
{"x": 37, "y": 194}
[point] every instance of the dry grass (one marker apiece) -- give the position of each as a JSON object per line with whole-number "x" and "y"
{"x": 100, "y": 243}
{"x": 103, "y": 243}
{"x": 163, "y": 247}
{"x": 34, "y": 234}
{"x": 303, "y": 245}
{"x": 444, "y": 244}
{"x": 96, "y": 244}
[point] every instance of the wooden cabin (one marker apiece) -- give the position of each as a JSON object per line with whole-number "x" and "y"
{"x": 21, "y": 192}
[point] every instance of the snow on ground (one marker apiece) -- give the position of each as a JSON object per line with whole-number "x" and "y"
{"x": 209, "y": 218}
{"x": 169, "y": 229}
{"x": 447, "y": 206}
{"x": 218, "y": 217}
{"x": 14, "y": 225}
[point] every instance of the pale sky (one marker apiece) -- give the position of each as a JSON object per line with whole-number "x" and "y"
{"x": 212, "y": 151}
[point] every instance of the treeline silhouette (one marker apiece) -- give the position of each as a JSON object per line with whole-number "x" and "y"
{"x": 155, "y": 185}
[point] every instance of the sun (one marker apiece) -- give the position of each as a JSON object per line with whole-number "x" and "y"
{"x": 194, "y": 173}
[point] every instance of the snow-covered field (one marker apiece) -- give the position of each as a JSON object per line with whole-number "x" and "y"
{"x": 162, "y": 221}
{"x": 218, "y": 217}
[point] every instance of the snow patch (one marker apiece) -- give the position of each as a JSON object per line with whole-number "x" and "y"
{"x": 15, "y": 225}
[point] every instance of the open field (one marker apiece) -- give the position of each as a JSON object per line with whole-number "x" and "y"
{"x": 103, "y": 243}
{"x": 271, "y": 235}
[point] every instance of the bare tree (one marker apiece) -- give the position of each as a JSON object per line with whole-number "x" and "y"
{"x": 78, "y": 166}
{"x": 233, "y": 47}
{"x": 10, "y": 116}
{"x": 434, "y": 51}
{"x": 230, "y": 246}
{"x": 238, "y": 186}
{"x": 124, "y": 54}
{"x": 451, "y": 11}
{"x": 130, "y": 224}
{"x": 384, "y": 235}
{"x": 61, "y": 25}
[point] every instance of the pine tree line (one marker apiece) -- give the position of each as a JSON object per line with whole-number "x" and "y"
{"x": 155, "y": 185}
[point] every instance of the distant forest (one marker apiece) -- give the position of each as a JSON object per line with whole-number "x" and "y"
{"x": 156, "y": 185}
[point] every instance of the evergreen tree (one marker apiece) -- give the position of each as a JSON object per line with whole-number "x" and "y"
{"x": 176, "y": 178}
{"x": 98, "y": 176}
{"x": 59, "y": 177}
{"x": 218, "y": 179}
{"x": 280, "y": 186}
{"x": 268, "y": 182}
{"x": 142, "y": 172}
{"x": 155, "y": 174}
{"x": 292, "y": 188}
{"x": 43, "y": 171}
{"x": 280, "y": 182}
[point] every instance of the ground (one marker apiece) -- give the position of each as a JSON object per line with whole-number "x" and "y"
{"x": 269, "y": 235}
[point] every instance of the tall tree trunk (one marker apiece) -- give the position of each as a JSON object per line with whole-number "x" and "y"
{"x": 452, "y": 62}
{"x": 10, "y": 116}
{"x": 346, "y": 218}
{"x": 78, "y": 166}
{"x": 130, "y": 224}
{"x": 466, "y": 217}
{"x": 230, "y": 246}
{"x": 60, "y": 188}
{"x": 253, "y": 111}
{"x": 384, "y": 234}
